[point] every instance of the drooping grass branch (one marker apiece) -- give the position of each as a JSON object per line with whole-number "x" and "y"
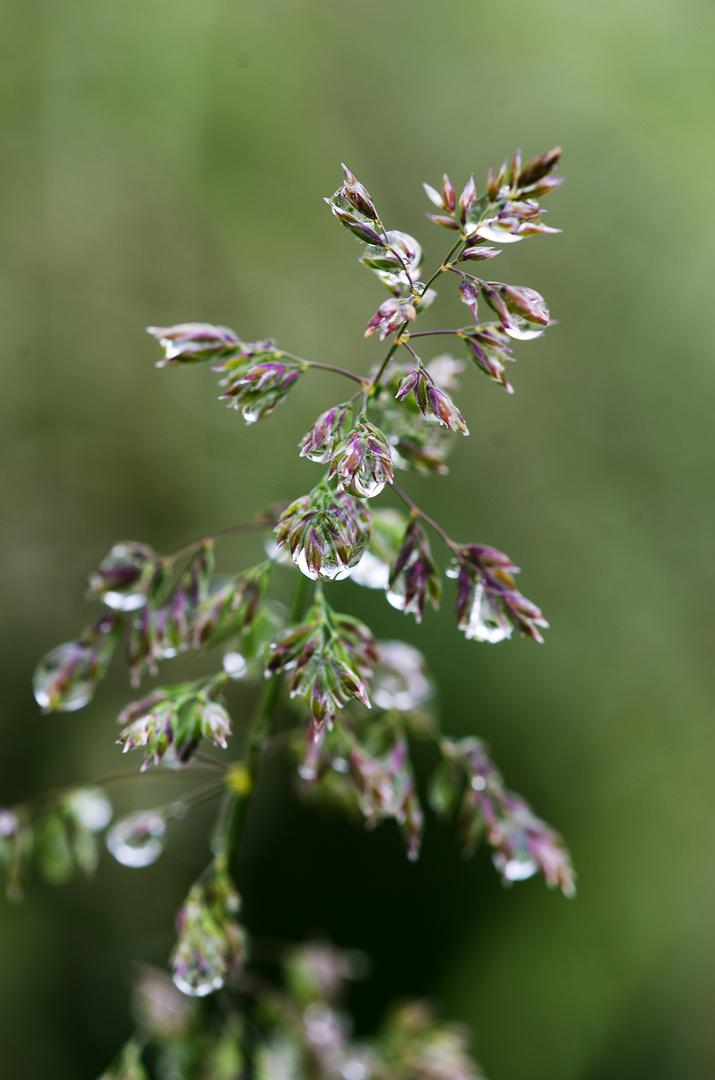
{"x": 343, "y": 704}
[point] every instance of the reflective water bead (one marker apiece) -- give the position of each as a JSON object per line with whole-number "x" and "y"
{"x": 64, "y": 679}
{"x": 234, "y": 665}
{"x": 91, "y": 807}
{"x": 138, "y": 840}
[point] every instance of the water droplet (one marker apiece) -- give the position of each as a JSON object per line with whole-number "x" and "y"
{"x": 321, "y": 454}
{"x": 91, "y": 807}
{"x": 354, "y": 1070}
{"x": 169, "y": 760}
{"x": 137, "y": 840}
{"x": 411, "y": 253}
{"x": 400, "y": 681}
{"x": 486, "y": 622}
{"x": 522, "y": 330}
{"x": 301, "y": 562}
{"x": 64, "y": 679}
{"x": 517, "y": 869}
{"x": 329, "y": 571}
{"x": 444, "y": 370}
{"x": 478, "y": 783}
{"x": 333, "y": 572}
{"x": 396, "y": 600}
{"x": 199, "y": 988}
{"x": 364, "y": 485}
{"x": 322, "y": 1026}
{"x": 250, "y": 416}
{"x": 234, "y": 665}
{"x": 120, "y": 601}
{"x": 371, "y": 572}
{"x": 281, "y": 555}
{"x": 8, "y": 823}
{"x": 341, "y": 765}
{"x": 500, "y": 234}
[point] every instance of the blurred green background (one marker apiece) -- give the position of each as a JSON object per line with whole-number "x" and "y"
{"x": 165, "y": 160}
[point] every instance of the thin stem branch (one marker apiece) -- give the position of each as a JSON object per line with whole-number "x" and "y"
{"x": 398, "y": 337}
{"x": 237, "y": 792}
{"x": 159, "y": 773}
{"x": 45, "y": 798}
{"x": 425, "y": 517}
{"x": 197, "y": 796}
{"x": 337, "y": 371}
{"x": 243, "y": 527}
{"x": 381, "y": 370}
{"x": 325, "y": 367}
{"x": 445, "y": 265}
{"x": 411, "y": 351}
{"x": 463, "y": 274}
{"x": 436, "y": 333}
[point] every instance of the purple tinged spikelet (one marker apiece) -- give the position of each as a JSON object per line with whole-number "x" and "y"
{"x": 449, "y": 195}
{"x": 125, "y": 575}
{"x": 386, "y": 786}
{"x": 488, "y": 604}
{"x": 66, "y": 678}
{"x": 191, "y": 342}
{"x": 538, "y": 168}
{"x": 326, "y": 533}
{"x": 469, "y": 294}
{"x": 174, "y": 718}
{"x": 414, "y": 577}
{"x": 515, "y": 221}
{"x": 258, "y": 390}
{"x": 211, "y": 945}
{"x": 358, "y": 196}
{"x": 432, "y": 401}
{"x": 467, "y": 199}
{"x": 490, "y": 350}
{"x": 329, "y": 656}
{"x": 390, "y": 316}
{"x": 445, "y": 222}
{"x": 434, "y": 196}
{"x": 362, "y": 463}
{"x": 523, "y": 844}
{"x": 236, "y": 603}
{"x": 516, "y": 302}
{"x": 320, "y": 440}
{"x": 354, "y": 208}
{"x": 478, "y": 253}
